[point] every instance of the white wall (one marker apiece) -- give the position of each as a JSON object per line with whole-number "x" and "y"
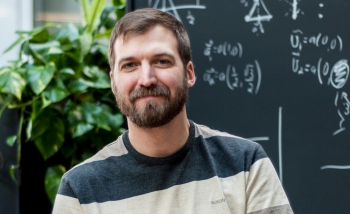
{"x": 14, "y": 15}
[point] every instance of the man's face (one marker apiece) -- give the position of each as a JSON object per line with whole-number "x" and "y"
{"x": 149, "y": 79}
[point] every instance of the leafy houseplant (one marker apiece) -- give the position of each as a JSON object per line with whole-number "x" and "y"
{"x": 61, "y": 87}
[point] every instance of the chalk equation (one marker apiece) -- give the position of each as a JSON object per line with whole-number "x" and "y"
{"x": 257, "y": 14}
{"x": 249, "y": 79}
{"x": 335, "y": 75}
{"x": 170, "y": 7}
{"x": 297, "y": 40}
{"x": 225, "y": 49}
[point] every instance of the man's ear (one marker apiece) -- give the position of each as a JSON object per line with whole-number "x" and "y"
{"x": 112, "y": 82}
{"x": 191, "y": 76}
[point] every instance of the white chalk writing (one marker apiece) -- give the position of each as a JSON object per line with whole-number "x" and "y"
{"x": 335, "y": 75}
{"x": 170, "y": 7}
{"x": 257, "y": 14}
{"x": 225, "y": 49}
{"x": 249, "y": 80}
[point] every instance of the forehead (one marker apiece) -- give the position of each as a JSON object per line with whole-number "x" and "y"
{"x": 156, "y": 38}
{"x": 157, "y": 28}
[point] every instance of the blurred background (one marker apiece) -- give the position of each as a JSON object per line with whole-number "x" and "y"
{"x": 56, "y": 108}
{"x": 21, "y": 15}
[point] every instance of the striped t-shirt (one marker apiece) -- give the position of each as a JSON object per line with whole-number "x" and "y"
{"x": 214, "y": 172}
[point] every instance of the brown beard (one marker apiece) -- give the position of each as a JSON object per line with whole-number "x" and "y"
{"x": 151, "y": 114}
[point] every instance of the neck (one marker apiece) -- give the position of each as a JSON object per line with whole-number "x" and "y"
{"x": 161, "y": 141}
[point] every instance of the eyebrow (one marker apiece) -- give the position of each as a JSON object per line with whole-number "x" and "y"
{"x": 130, "y": 58}
{"x": 166, "y": 54}
{"x": 124, "y": 59}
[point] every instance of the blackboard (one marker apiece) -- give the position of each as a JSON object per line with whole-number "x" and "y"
{"x": 9, "y": 190}
{"x": 276, "y": 72}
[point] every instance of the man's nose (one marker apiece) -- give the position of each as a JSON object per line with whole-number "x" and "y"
{"x": 147, "y": 76}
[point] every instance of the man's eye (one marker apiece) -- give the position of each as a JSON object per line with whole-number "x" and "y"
{"x": 129, "y": 65}
{"x": 163, "y": 61}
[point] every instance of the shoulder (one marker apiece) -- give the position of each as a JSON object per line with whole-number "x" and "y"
{"x": 228, "y": 145}
{"x": 224, "y": 138}
{"x": 89, "y": 166}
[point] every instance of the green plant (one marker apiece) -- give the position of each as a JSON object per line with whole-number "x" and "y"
{"x": 60, "y": 85}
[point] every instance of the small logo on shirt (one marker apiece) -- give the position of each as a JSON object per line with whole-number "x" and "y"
{"x": 218, "y": 201}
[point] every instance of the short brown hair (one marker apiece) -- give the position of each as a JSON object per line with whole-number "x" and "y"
{"x": 142, "y": 20}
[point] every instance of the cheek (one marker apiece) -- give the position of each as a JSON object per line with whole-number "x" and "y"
{"x": 124, "y": 85}
{"x": 171, "y": 79}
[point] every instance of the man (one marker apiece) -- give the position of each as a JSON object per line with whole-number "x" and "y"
{"x": 165, "y": 163}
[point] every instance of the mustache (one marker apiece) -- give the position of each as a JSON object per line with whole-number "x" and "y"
{"x": 149, "y": 91}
